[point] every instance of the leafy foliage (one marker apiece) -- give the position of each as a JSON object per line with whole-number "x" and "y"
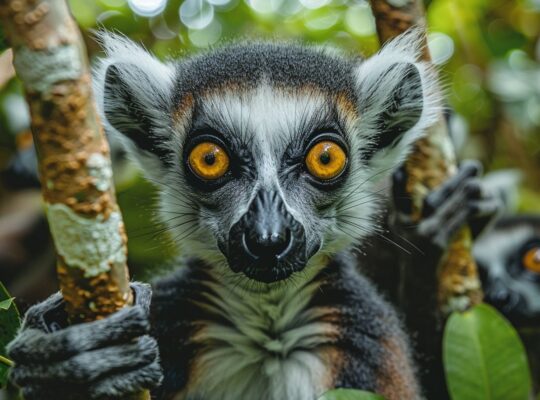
{"x": 349, "y": 394}
{"x": 487, "y": 54}
{"x": 484, "y": 358}
{"x": 9, "y": 323}
{"x": 5, "y": 304}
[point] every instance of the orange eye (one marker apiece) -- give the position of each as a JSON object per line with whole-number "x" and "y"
{"x": 209, "y": 161}
{"x": 326, "y": 160}
{"x": 531, "y": 260}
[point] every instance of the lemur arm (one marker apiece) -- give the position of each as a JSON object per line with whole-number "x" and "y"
{"x": 112, "y": 357}
{"x": 460, "y": 200}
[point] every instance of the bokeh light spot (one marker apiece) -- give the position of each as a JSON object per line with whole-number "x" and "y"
{"x": 265, "y": 6}
{"x": 441, "y": 47}
{"x": 147, "y": 8}
{"x": 313, "y": 4}
{"x": 324, "y": 21}
{"x": 290, "y": 7}
{"x": 219, "y": 2}
{"x": 196, "y": 14}
{"x": 207, "y": 36}
{"x": 359, "y": 20}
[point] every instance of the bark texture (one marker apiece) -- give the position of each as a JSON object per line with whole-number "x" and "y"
{"x": 432, "y": 162}
{"x": 74, "y": 163}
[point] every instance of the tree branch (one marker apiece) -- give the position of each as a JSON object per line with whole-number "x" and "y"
{"x": 74, "y": 163}
{"x": 431, "y": 163}
{"x": 6, "y": 361}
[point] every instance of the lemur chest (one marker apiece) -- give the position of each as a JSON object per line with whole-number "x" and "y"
{"x": 264, "y": 346}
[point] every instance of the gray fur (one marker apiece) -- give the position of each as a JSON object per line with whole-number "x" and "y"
{"x": 411, "y": 277}
{"x": 267, "y": 101}
{"x": 271, "y": 343}
{"x": 112, "y": 386}
{"x": 251, "y": 64}
{"x": 460, "y": 200}
{"x": 103, "y": 352}
{"x": 126, "y": 324}
{"x": 269, "y": 98}
{"x": 495, "y": 253}
{"x": 92, "y": 364}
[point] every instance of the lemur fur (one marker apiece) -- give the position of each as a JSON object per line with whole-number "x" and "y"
{"x": 221, "y": 334}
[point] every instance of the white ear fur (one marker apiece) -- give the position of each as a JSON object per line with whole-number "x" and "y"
{"x": 377, "y": 79}
{"x": 148, "y": 80}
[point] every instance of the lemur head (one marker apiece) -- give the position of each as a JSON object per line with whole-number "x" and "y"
{"x": 267, "y": 154}
{"x": 508, "y": 258}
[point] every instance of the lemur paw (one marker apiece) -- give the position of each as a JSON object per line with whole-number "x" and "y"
{"x": 460, "y": 200}
{"x": 108, "y": 358}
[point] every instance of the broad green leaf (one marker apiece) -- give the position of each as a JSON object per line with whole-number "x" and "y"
{"x": 484, "y": 358}
{"x": 349, "y": 394}
{"x": 9, "y": 323}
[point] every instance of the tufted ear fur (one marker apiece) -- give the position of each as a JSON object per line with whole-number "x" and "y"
{"x": 133, "y": 91}
{"x": 398, "y": 99}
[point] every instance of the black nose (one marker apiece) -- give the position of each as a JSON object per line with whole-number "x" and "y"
{"x": 265, "y": 244}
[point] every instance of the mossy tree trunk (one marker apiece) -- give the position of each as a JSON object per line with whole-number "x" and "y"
{"x": 431, "y": 163}
{"x": 74, "y": 163}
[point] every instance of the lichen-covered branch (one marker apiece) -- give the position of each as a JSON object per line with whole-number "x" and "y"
{"x": 393, "y": 17}
{"x": 74, "y": 164}
{"x": 431, "y": 162}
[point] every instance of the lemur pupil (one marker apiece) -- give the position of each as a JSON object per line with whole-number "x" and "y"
{"x": 324, "y": 158}
{"x": 210, "y": 158}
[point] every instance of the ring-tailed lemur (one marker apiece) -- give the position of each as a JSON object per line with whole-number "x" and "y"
{"x": 507, "y": 252}
{"x": 508, "y": 257}
{"x": 268, "y": 157}
{"x": 461, "y": 200}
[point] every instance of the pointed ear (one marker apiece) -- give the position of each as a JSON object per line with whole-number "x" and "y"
{"x": 398, "y": 100}
{"x": 134, "y": 93}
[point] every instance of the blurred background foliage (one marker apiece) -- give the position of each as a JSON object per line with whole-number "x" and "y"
{"x": 488, "y": 52}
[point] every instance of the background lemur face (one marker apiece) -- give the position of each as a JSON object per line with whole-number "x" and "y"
{"x": 509, "y": 260}
{"x": 267, "y": 154}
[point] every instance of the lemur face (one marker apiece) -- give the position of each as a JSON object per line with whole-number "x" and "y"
{"x": 508, "y": 258}
{"x": 267, "y": 154}
{"x": 265, "y": 161}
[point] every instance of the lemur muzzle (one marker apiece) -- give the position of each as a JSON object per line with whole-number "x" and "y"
{"x": 267, "y": 244}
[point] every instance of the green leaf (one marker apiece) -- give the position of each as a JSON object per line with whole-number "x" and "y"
{"x": 484, "y": 358}
{"x": 349, "y": 394}
{"x": 5, "y": 304}
{"x": 9, "y": 323}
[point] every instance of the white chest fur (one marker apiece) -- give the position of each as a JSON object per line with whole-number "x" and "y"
{"x": 272, "y": 347}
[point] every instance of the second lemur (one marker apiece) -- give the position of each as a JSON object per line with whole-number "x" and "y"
{"x": 269, "y": 158}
